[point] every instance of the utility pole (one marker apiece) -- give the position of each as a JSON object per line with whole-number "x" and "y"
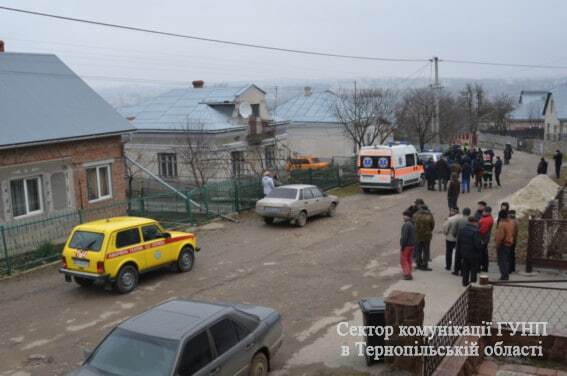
{"x": 436, "y": 93}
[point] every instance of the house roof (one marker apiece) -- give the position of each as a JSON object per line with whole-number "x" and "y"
{"x": 177, "y": 108}
{"x": 530, "y": 106}
{"x": 319, "y": 107}
{"x": 42, "y": 100}
{"x": 559, "y": 95}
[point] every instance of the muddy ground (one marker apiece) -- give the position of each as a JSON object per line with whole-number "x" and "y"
{"x": 314, "y": 276}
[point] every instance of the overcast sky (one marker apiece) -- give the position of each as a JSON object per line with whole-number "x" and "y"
{"x": 518, "y": 31}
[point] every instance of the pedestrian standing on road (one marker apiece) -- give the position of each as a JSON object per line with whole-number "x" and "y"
{"x": 558, "y": 158}
{"x": 542, "y": 167}
{"x": 466, "y": 173}
{"x": 267, "y": 183}
{"x": 424, "y": 225}
{"x": 407, "y": 244}
{"x": 460, "y": 223}
{"x": 498, "y": 170}
{"x": 469, "y": 246}
{"x": 443, "y": 173}
{"x": 478, "y": 173}
{"x": 480, "y": 210}
{"x": 430, "y": 174}
{"x": 504, "y": 209}
{"x": 487, "y": 171}
{"x": 484, "y": 228}
{"x": 512, "y": 216}
{"x": 453, "y": 192}
{"x": 504, "y": 239}
{"x": 450, "y": 240}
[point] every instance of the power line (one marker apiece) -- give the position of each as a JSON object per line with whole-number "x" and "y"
{"x": 211, "y": 40}
{"x": 513, "y": 65}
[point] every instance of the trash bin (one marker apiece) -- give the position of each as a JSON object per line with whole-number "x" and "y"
{"x": 373, "y": 314}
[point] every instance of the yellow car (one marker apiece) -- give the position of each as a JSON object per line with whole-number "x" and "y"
{"x": 306, "y": 163}
{"x": 115, "y": 251}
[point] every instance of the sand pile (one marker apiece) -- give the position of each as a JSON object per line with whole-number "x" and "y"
{"x": 534, "y": 196}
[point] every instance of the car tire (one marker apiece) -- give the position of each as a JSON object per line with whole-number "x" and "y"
{"x": 399, "y": 187}
{"x": 185, "y": 260}
{"x": 301, "y": 219}
{"x": 127, "y": 279}
{"x": 421, "y": 181}
{"x": 83, "y": 282}
{"x": 259, "y": 365}
{"x": 366, "y": 190}
{"x": 332, "y": 210}
{"x": 268, "y": 220}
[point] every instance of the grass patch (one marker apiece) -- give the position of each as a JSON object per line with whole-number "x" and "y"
{"x": 349, "y": 190}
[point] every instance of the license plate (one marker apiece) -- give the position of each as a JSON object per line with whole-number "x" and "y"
{"x": 272, "y": 210}
{"x": 367, "y": 177}
{"x": 81, "y": 263}
{"x": 384, "y": 179}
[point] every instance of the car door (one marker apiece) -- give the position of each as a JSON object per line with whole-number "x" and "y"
{"x": 128, "y": 242}
{"x": 197, "y": 358}
{"x": 156, "y": 249}
{"x": 306, "y": 200}
{"x": 233, "y": 354}
{"x": 319, "y": 202}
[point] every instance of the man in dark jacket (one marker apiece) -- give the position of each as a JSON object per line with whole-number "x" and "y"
{"x": 469, "y": 246}
{"x": 478, "y": 173}
{"x": 480, "y": 210}
{"x": 487, "y": 168}
{"x": 558, "y": 158}
{"x": 497, "y": 170}
{"x": 466, "y": 173}
{"x": 542, "y": 167}
{"x": 443, "y": 173}
{"x": 459, "y": 225}
{"x": 407, "y": 244}
{"x": 453, "y": 192}
{"x": 430, "y": 174}
{"x": 424, "y": 225}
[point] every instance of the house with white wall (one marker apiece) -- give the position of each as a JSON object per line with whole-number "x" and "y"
{"x": 555, "y": 114}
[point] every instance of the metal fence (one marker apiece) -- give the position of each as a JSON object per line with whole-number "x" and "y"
{"x": 457, "y": 315}
{"x": 535, "y": 301}
{"x": 28, "y": 243}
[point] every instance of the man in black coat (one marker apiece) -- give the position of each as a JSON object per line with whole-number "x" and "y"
{"x": 443, "y": 173}
{"x": 469, "y": 247}
{"x": 497, "y": 170}
{"x": 542, "y": 167}
{"x": 558, "y": 158}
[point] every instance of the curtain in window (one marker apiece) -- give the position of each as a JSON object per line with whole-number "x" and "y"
{"x": 34, "y": 203}
{"x": 18, "y": 198}
{"x": 104, "y": 177}
{"x": 92, "y": 190}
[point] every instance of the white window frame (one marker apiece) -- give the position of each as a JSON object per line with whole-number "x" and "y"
{"x": 98, "y": 189}
{"x": 26, "y": 198}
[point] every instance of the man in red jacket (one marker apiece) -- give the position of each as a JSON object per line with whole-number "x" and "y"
{"x": 484, "y": 228}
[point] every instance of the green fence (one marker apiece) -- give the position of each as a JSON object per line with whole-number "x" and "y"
{"x": 29, "y": 243}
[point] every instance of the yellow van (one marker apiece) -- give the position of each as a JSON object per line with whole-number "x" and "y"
{"x": 115, "y": 251}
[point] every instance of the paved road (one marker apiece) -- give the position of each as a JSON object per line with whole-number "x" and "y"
{"x": 314, "y": 276}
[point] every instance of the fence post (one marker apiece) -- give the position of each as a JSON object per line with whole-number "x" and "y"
{"x": 142, "y": 202}
{"x": 205, "y": 193}
{"x": 188, "y": 206}
{"x": 310, "y": 175}
{"x": 339, "y": 184}
{"x": 5, "y": 246}
{"x": 236, "y": 196}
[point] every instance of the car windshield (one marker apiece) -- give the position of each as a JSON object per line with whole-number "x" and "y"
{"x": 289, "y": 193}
{"x": 87, "y": 240}
{"x": 125, "y": 353}
{"x": 315, "y": 160}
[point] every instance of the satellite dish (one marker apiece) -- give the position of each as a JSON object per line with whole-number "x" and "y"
{"x": 245, "y": 110}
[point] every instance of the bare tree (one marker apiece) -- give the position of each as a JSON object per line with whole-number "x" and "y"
{"x": 475, "y": 106}
{"x": 499, "y": 109}
{"x": 415, "y": 114}
{"x": 366, "y": 115}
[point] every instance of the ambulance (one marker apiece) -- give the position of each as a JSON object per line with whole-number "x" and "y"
{"x": 392, "y": 167}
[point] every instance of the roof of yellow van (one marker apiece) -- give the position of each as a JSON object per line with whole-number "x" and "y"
{"x": 114, "y": 223}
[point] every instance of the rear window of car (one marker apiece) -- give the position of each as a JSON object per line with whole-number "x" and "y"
{"x": 287, "y": 193}
{"x": 87, "y": 240}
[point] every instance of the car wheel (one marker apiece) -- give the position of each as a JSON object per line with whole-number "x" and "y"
{"x": 127, "y": 279}
{"x": 259, "y": 365}
{"x": 332, "y": 210}
{"x": 421, "y": 181}
{"x": 366, "y": 190}
{"x": 83, "y": 282}
{"x": 268, "y": 220}
{"x": 185, "y": 260}
{"x": 399, "y": 187}
{"x": 301, "y": 219}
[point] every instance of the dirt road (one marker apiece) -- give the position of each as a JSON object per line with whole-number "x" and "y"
{"x": 313, "y": 276}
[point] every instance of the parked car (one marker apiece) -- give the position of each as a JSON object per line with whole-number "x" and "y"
{"x": 427, "y": 155}
{"x": 115, "y": 251}
{"x": 306, "y": 163}
{"x": 190, "y": 338}
{"x": 296, "y": 202}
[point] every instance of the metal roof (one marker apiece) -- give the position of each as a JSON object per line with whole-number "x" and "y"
{"x": 559, "y": 96}
{"x": 530, "y": 106}
{"x": 319, "y": 107}
{"x": 42, "y": 100}
{"x": 179, "y": 108}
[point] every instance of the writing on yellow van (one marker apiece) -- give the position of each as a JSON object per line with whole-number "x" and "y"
{"x": 393, "y": 166}
{"x": 115, "y": 251}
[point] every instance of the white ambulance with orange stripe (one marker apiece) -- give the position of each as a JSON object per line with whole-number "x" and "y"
{"x": 115, "y": 251}
{"x": 392, "y": 167}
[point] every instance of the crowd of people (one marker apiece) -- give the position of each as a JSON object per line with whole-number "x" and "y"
{"x": 453, "y": 173}
{"x": 467, "y": 236}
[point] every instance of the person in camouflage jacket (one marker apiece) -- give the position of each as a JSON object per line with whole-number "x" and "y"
{"x": 424, "y": 225}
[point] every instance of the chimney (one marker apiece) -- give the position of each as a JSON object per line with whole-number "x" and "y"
{"x": 1, "y": 46}
{"x": 198, "y": 84}
{"x": 307, "y": 91}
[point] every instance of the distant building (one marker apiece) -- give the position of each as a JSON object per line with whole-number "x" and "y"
{"x": 528, "y": 114}
{"x": 60, "y": 142}
{"x": 555, "y": 113}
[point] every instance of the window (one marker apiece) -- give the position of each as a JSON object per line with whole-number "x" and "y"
{"x": 270, "y": 156}
{"x": 241, "y": 330}
{"x": 127, "y": 237}
{"x": 286, "y": 193}
{"x": 151, "y": 232}
{"x": 316, "y": 193}
{"x": 167, "y": 165}
{"x": 26, "y": 196}
{"x": 99, "y": 186}
{"x": 196, "y": 354}
{"x": 86, "y": 240}
{"x": 237, "y": 158}
{"x": 224, "y": 335}
{"x": 307, "y": 194}
{"x": 256, "y": 110}
{"x": 410, "y": 160}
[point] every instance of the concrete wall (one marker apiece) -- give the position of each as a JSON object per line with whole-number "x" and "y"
{"x": 545, "y": 147}
{"x": 319, "y": 140}
{"x": 494, "y": 141}
{"x": 555, "y": 129}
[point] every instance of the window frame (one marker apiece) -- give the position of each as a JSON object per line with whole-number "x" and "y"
{"x": 171, "y": 169}
{"x": 270, "y": 156}
{"x": 39, "y": 180}
{"x": 185, "y": 343}
{"x": 140, "y": 237}
{"x": 238, "y": 164}
{"x": 215, "y": 348}
{"x": 97, "y": 168}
